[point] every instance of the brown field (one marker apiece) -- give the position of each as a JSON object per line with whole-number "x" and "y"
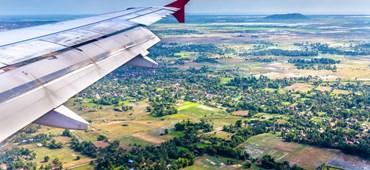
{"x": 137, "y": 126}
{"x": 240, "y": 113}
{"x": 66, "y": 155}
{"x": 301, "y": 87}
{"x": 149, "y": 138}
{"x": 305, "y": 156}
{"x": 348, "y": 69}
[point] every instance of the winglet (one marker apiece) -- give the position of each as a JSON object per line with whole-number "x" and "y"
{"x": 180, "y": 14}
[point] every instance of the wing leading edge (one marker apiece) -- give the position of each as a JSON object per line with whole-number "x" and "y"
{"x": 42, "y": 67}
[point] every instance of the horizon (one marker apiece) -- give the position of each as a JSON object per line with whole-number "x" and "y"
{"x": 204, "y": 7}
{"x": 199, "y": 14}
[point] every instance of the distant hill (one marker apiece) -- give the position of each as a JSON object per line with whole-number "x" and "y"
{"x": 292, "y": 16}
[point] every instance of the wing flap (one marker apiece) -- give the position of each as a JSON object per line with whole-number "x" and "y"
{"x": 143, "y": 61}
{"x": 62, "y": 117}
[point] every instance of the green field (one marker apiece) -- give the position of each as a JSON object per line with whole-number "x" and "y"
{"x": 195, "y": 111}
{"x": 211, "y": 163}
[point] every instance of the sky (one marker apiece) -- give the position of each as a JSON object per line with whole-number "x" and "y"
{"x": 72, "y": 7}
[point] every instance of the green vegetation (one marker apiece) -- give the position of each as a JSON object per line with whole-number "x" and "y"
{"x": 280, "y": 52}
{"x": 162, "y": 104}
{"x": 85, "y": 148}
{"x": 315, "y": 63}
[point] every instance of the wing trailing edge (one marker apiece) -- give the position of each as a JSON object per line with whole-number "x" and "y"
{"x": 143, "y": 61}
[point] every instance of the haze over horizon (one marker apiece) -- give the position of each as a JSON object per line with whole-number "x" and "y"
{"x": 71, "y": 7}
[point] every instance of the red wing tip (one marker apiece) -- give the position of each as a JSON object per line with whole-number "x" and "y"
{"x": 180, "y": 14}
{"x": 178, "y": 3}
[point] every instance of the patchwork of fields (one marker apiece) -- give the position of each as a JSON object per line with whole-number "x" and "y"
{"x": 215, "y": 54}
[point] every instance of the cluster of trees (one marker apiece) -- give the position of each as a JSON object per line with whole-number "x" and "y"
{"x": 84, "y": 147}
{"x": 162, "y": 104}
{"x": 359, "y": 50}
{"x": 315, "y": 63}
{"x": 55, "y": 164}
{"x": 30, "y": 129}
{"x": 39, "y": 138}
{"x": 280, "y": 52}
{"x": 267, "y": 162}
{"x": 186, "y": 125}
{"x": 259, "y": 82}
{"x": 249, "y": 128}
{"x": 123, "y": 108}
{"x": 203, "y": 58}
{"x": 107, "y": 100}
{"x": 67, "y": 133}
{"x": 54, "y": 145}
{"x": 18, "y": 158}
{"x": 316, "y": 67}
{"x": 314, "y": 49}
{"x": 263, "y": 60}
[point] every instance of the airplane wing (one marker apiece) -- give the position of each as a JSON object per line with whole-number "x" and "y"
{"x": 42, "y": 67}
